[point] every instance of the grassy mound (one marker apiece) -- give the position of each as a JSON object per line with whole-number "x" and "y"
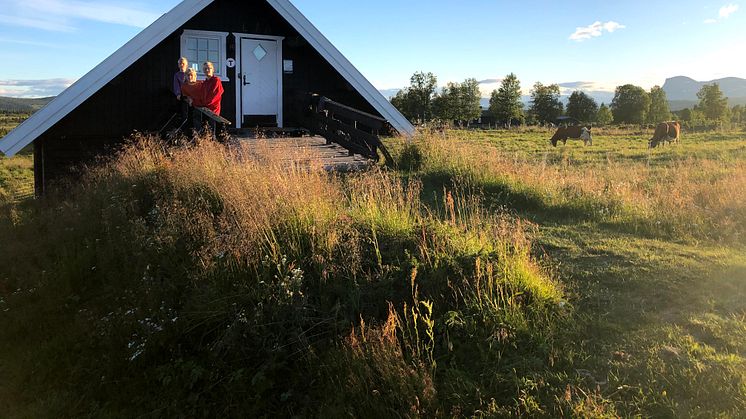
{"x": 205, "y": 283}
{"x": 208, "y": 282}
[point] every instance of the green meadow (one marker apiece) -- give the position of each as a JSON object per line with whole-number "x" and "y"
{"x": 487, "y": 275}
{"x": 17, "y": 173}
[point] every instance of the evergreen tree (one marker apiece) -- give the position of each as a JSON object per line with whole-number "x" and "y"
{"x": 505, "y": 102}
{"x": 582, "y": 107}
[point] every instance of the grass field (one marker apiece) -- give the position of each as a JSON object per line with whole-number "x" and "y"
{"x": 490, "y": 275}
{"x": 17, "y": 173}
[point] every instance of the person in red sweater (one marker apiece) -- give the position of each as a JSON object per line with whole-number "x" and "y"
{"x": 212, "y": 89}
{"x": 192, "y": 88}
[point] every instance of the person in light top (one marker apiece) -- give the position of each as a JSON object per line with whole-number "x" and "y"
{"x": 179, "y": 76}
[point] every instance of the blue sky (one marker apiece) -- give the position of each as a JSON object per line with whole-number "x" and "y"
{"x": 47, "y": 44}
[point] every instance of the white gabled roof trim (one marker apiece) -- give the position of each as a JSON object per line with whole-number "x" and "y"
{"x": 151, "y": 36}
{"x": 308, "y": 31}
{"x": 97, "y": 78}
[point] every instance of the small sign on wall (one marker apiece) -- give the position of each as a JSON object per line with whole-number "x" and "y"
{"x": 287, "y": 66}
{"x": 230, "y": 63}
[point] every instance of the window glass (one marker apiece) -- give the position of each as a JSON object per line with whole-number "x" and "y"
{"x": 198, "y": 48}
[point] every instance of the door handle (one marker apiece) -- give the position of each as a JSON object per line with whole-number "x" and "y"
{"x": 244, "y": 80}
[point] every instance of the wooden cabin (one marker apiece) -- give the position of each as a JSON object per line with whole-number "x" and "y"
{"x": 269, "y": 57}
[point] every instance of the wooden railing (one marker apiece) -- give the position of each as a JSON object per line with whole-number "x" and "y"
{"x": 355, "y": 130}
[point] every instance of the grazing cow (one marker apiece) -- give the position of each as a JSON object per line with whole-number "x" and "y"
{"x": 665, "y": 132}
{"x": 563, "y": 133}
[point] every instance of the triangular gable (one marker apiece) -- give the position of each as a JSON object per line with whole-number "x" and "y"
{"x": 151, "y": 36}
{"x": 331, "y": 54}
{"x": 86, "y": 86}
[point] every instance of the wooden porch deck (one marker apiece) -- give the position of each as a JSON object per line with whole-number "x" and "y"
{"x": 305, "y": 151}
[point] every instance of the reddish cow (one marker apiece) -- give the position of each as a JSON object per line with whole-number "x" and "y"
{"x": 665, "y": 132}
{"x": 563, "y": 133}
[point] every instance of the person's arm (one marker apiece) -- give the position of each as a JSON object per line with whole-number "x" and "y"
{"x": 213, "y": 94}
{"x": 177, "y": 85}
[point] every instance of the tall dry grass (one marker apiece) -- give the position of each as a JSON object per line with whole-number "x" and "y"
{"x": 682, "y": 198}
{"x": 221, "y": 279}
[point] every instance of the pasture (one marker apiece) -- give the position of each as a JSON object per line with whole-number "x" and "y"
{"x": 17, "y": 173}
{"x": 489, "y": 275}
{"x": 650, "y": 246}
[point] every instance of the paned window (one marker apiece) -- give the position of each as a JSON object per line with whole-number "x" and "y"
{"x": 201, "y": 46}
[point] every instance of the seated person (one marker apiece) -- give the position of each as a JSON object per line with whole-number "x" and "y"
{"x": 212, "y": 89}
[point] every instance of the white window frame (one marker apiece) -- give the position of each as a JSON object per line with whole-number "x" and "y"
{"x": 221, "y": 69}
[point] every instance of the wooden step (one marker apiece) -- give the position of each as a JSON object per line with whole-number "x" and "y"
{"x": 311, "y": 151}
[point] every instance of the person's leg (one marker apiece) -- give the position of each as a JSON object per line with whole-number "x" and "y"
{"x": 184, "y": 109}
{"x": 197, "y": 123}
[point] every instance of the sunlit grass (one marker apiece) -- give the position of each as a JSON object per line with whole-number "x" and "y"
{"x": 690, "y": 190}
{"x": 491, "y": 275}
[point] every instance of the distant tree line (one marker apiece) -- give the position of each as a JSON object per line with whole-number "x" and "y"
{"x": 459, "y": 103}
{"x": 422, "y": 102}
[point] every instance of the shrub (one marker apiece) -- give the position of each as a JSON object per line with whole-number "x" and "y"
{"x": 411, "y": 157}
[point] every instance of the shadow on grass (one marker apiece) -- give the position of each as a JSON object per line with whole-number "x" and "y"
{"x": 525, "y": 202}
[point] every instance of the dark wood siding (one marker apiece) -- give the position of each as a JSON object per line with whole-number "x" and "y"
{"x": 140, "y": 99}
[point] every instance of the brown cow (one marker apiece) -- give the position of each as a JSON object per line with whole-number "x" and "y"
{"x": 563, "y": 133}
{"x": 665, "y": 132}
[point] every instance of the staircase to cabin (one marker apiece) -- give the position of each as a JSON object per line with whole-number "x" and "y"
{"x": 335, "y": 136}
{"x": 355, "y": 130}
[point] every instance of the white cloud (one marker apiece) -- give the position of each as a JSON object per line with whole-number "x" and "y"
{"x": 34, "y": 88}
{"x": 611, "y": 26}
{"x": 61, "y": 15}
{"x": 37, "y": 23}
{"x": 32, "y": 43}
{"x": 727, "y": 10}
{"x": 595, "y": 30}
{"x": 108, "y": 12}
{"x": 723, "y": 13}
{"x": 589, "y": 86}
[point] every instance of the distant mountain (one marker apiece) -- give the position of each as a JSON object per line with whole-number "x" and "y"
{"x": 14, "y": 104}
{"x": 682, "y": 91}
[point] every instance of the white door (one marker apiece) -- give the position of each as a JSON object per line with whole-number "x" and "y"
{"x": 260, "y": 78}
